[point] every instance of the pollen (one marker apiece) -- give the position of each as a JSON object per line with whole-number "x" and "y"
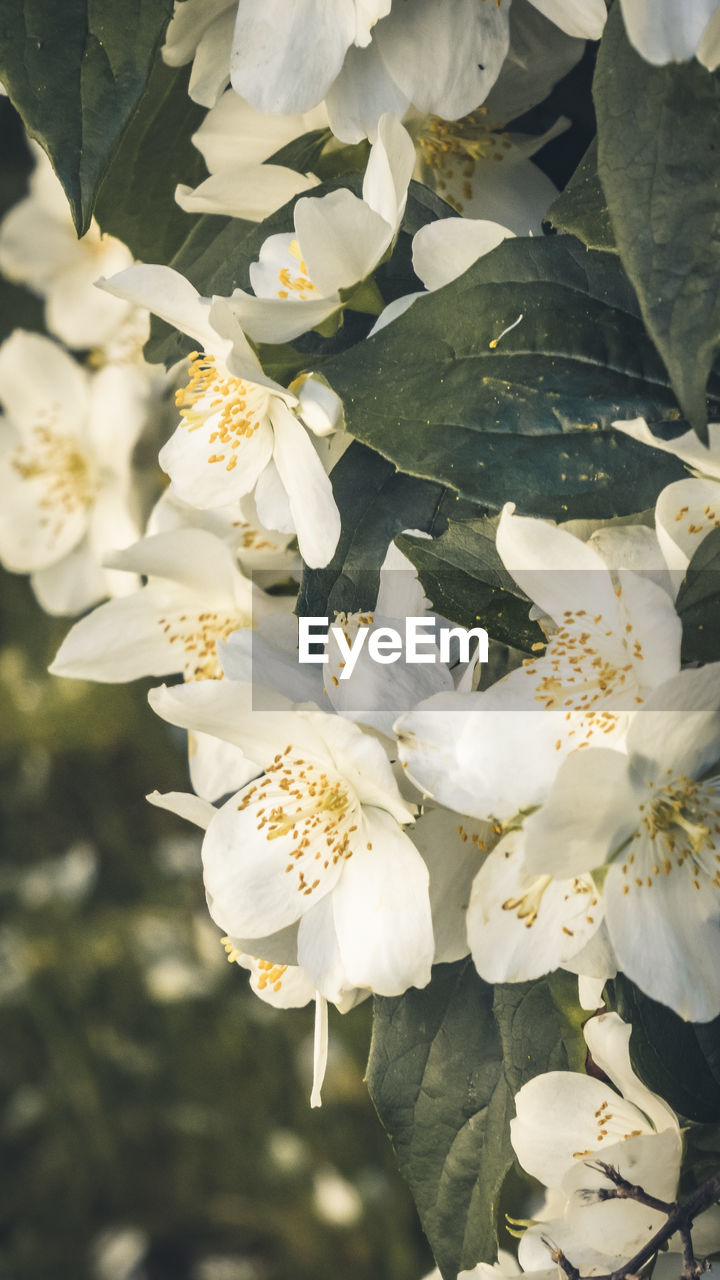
{"x": 53, "y": 462}
{"x": 196, "y": 636}
{"x": 230, "y": 410}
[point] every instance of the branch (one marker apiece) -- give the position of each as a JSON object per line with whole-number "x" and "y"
{"x": 680, "y": 1218}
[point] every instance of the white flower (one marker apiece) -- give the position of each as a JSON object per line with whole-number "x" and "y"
{"x": 339, "y": 239}
{"x": 653, "y": 815}
{"x": 239, "y": 527}
{"x": 663, "y": 31}
{"x": 687, "y": 510}
{"x": 39, "y": 248}
{"x": 66, "y": 442}
{"x": 366, "y": 58}
{"x": 238, "y": 431}
{"x": 316, "y": 840}
{"x": 521, "y": 925}
{"x": 611, "y": 642}
{"x": 200, "y": 32}
{"x": 442, "y": 251}
{"x": 195, "y": 596}
{"x": 236, "y": 142}
{"x": 565, "y": 1120}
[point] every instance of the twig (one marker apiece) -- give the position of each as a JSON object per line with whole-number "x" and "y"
{"x": 680, "y": 1219}
{"x": 624, "y": 1190}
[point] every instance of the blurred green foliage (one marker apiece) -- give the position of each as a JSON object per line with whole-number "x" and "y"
{"x": 154, "y": 1114}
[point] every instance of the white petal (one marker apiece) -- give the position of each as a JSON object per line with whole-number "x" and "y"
{"x": 382, "y": 910}
{"x": 663, "y": 31}
{"x": 285, "y": 58}
{"x": 557, "y": 1123}
{"x": 419, "y": 45}
{"x": 272, "y": 502}
{"x": 320, "y": 1049}
{"x": 443, "y": 250}
{"x": 687, "y": 447}
{"x": 361, "y": 758}
{"x": 252, "y": 192}
{"x": 204, "y": 483}
{"x": 453, "y": 854}
{"x": 582, "y": 18}
{"x": 667, "y": 935}
{"x": 217, "y": 768}
{"x": 341, "y": 237}
{"x": 708, "y": 50}
{"x": 576, "y": 830}
{"x": 193, "y": 558}
{"x": 556, "y": 570}
{"x": 249, "y": 891}
{"x": 389, "y": 170}
{"x": 278, "y": 319}
{"x": 685, "y": 513}
{"x": 185, "y": 805}
{"x": 678, "y": 729}
{"x": 363, "y": 92}
{"x": 169, "y": 295}
{"x": 521, "y": 926}
{"x": 186, "y": 27}
{"x": 41, "y": 383}
{"x": 315, "y": 515}
{"x": 226, "y": 710}
{"x": 71, "y": 585}
{"x": 318, "y": 951}
{"x": 119, "y": 641}
{"x": 608, "y": 1039}
{"x": 210, "y": 70}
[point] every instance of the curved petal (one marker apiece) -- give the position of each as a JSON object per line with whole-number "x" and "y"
{"x": 284, "y": 58}
{"x": 521, "y": 926}
{"x": 685, "y": 513}
{"x": 41, "y": 384}
{"x": 193, "y": 808}
{"x": 382, "y": 910}
{"x": 363, "y": 92}
{"x": 663, "y": 31}
{"x": 389, "y": 170}
{"x": 678, "y": 729}
{"x": 202, "y": 476}
{"x": 169, "y": 295}
{"x": 252, "y": 192}
{"x": 341, "y": 237}
{"x": 211, "y": 65}
{"x": 419, "y": 45}
{"x": 608, "y": 1039}
{"x": 557, "y": 571}
{"x": 443, "y": 250}
{"x": 217, "y": 768}
{"x": 576, "y": 831}
{"x": 453, "y": 854}
{"x": 582, "y": 18}
{"x": 312, "y": 505}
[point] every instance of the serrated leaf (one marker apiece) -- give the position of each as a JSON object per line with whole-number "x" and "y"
{"x": 698, "y": 603}
{"x": 467, "y": 582}
{"x": 217, "y": 254}
{"x": 136, "y": 200}
{"x": 445, "y": 1064}
{"x": 659, "y": 164}
{"x": 679, "y": 1060}
{"x": 581, "y": 209}
{"x": 76, "y": 70}
{"x": 527, "y": 419}
{"x": 375, "y": 503}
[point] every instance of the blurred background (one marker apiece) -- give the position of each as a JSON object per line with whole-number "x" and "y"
{"x": 154, "y": 1114}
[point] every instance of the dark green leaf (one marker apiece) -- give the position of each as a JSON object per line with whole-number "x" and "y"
{"x": 303, "y": 153}
{"x": 445, "y": 1064}
{"x": 581, "y": 209}
{"x": 467, "y": 582}
{"x": 659, "y": 164}
{"x": 698, "y": 603}
{"x": 375, "y": 503}
{"x": 529, "y": 419}
{"x": 136, "y": 199}
{"x": 217, "y": 254}
{"x": 679, "y": 1060}
{"x": 76, "y": 70}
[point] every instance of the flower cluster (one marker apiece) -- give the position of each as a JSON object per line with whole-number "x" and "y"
{"x": 554, "y": 809}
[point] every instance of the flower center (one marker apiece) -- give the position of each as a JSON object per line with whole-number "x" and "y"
{"x": 63, "y": 473}
{"x": 312, "y": 810}
{"x": 451, "y": 149}
{"x": 613, "y": 1124}
{"x": 231, "y": 408}
{"x": 295, "y": 281}
{"x": 268, "y": 973}
{"x": 197, "y": 636}
{"x": 682, "y": 819}
{"x": 528, "y": 905}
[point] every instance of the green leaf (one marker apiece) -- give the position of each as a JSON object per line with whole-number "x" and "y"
{"x": 698, "y": 603}
{"x": 217, "y": 254}
{"x": 136, "y": 201}
{"x": 659, "y": 164}
{"x": 581, "y": 209}
{"x": 467, "y": 582}
{"x": 679, "y": 1060}
{"x": 445, "y": 1065}
{"x": 76, "y": 70}
{"x": 375, "y": 503}
{"x": 529, "y": 419}
{"x": 303, "y": 153}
